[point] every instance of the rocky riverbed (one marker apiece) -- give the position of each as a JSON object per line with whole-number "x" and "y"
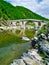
{"x": 32, "y": 57}
{"x": 29, "y": 58}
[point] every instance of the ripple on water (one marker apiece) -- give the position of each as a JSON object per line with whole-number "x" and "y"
{"x": 7, "y": 54}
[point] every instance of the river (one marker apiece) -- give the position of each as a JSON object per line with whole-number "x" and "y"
{"x": 11, "y": 47}
{"x": 13, "y": 51}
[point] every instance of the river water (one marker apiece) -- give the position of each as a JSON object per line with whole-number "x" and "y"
{"x": 14, "y": 51}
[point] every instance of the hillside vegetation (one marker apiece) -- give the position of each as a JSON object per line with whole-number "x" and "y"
{"x": 7, "y": 11}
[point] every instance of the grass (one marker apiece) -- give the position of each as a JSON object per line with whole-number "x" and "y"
{"x": 30, "y": 23}
{"x": 9, "y": 38}
{"x": 30, "y": 33}
{"x": 42, "y": 55}
{"x": 43, "y": 30}
{"x": 17, "y": 31}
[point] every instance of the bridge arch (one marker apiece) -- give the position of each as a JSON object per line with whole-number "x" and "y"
{"x": 30, "y": 22}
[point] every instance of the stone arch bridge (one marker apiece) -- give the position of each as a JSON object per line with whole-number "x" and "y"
{"x": 22, "y": 22}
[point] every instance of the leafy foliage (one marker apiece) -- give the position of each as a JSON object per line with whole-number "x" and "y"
{"x": 7, "y": 11}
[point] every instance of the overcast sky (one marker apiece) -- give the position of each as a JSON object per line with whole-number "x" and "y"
{"x": 39, "y": 6}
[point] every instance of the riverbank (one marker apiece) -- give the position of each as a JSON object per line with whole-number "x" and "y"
{"x": 29, "y": 58}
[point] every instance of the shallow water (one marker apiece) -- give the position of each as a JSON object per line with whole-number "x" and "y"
{"x": 13, "y": 51}
{"x": 11, "y": 47}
